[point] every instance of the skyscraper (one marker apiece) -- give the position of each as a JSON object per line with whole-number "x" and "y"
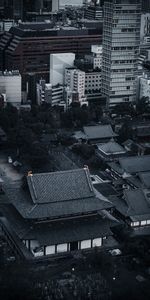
{"x": 121, "y": 39}
{"x": 12, "y": 9}
{"x": 146, "y": 5}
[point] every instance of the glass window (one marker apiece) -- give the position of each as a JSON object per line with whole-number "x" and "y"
{"x": 143, "y": 223}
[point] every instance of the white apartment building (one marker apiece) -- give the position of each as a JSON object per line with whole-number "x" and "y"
{"x": 53, "y": 95}
{"x": 58, "y": 63}
{"x": 10, "y": 87}
{"x": 144, "y": 86}
{"x": 75, "y": 80}
{"x": 121, "y": 40}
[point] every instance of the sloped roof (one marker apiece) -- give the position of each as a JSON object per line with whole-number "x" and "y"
{"x": 145, "y": 178}
{"x": 99, "y": 132}
{"x": 111, "y": 148}
{"x": 60, "y": 186}
{"x": 53, "y": 210}
{"x": 69, "y": 195}
{"x": 135, "y": 204}
{"x": 106, "y": 189}
{"x": 137, "y": 201}
{"x": 69, "y": 231}
{"x": 135, "y": 164}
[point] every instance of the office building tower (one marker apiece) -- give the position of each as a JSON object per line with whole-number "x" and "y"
{"x": 121, "y": 39}
{"x": 12, "y": 9}
{"x": 146, "y": 5}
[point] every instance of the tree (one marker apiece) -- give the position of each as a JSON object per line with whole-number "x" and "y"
{"x": 38, "y": 155}
{"x": 125, "y": 132}
{"x": 143, "y": 105}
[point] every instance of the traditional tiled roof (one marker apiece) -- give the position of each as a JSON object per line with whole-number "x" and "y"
{"x": 60, "y": 186}
{"x": 145, "y": 178}
{"x": 71, "y": 194}
{"x": 99, "y": 132}
{"x": 135, "y": 164}
{"x": 135, "y": 204}
{"x": 53, "y": 210}
{"x": 138, "y": 202}
{"x": 69, "y": 231}
{"x": 111, "y": 148}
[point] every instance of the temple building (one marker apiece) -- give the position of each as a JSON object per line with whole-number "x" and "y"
{"x": 56, "y": 213}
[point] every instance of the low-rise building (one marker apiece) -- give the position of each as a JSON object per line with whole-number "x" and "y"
{"x": 10, "y": 87}
{"x": 132, "y": 165}
{"x": 99, "y": 133}
{"x": 110, "y": 151}
{"x": 56, "y": 213}
{"x": 54, "y": 95}
{"x": 133, "y": 208}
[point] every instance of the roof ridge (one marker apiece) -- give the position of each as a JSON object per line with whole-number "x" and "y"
{"x": 87, "y": 173}
{"x": 58, "y": 172}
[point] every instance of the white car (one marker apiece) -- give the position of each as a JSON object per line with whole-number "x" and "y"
{"x": 10, "y": 160}
{"x": 115, "y": 252}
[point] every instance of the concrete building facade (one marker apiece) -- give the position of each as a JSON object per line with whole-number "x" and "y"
{"x": 10, "y": 87}
{"x": 121, "y": 39}
{"x": 75, "y": 80}
{"x": 144, "y": 86}
{"x": 58, "y": 63}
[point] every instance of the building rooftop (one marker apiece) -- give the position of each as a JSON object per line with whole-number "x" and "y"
{"x": 99, "y": 132}
{"x": 135, "y": 164}
{"x": 47, "y": 29}
{"x": 138, "y": 202}
{"x": 57, "y": 194}
{"x": 145, "y": 179}
{"x": 135, "y": 204}
{"x": 69, "y": 231}
{"x": 111, "y": 148}
{"x": 10, "y": 73}
{"x": 73, "y": 184}
{"x": 106, "y": 189}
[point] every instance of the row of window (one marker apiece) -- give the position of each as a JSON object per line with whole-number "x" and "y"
{"x": 140, "y": 223}
{"x": 65, "y": 247}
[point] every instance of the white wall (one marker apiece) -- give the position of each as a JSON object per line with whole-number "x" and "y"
{"x": 85, "y": 244}
{"x": 97, "y": 242}
{"x": 50, "y": 250}
{"x": 62, "y": 248}
{"x": 11, "y": 85}
{"x": 58, "y": 63}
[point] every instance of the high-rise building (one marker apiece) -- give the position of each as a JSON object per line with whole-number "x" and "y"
{"x": 11, "y": 9}
{"x": 146, "y": 5}
{"x": 121, "y": 39}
